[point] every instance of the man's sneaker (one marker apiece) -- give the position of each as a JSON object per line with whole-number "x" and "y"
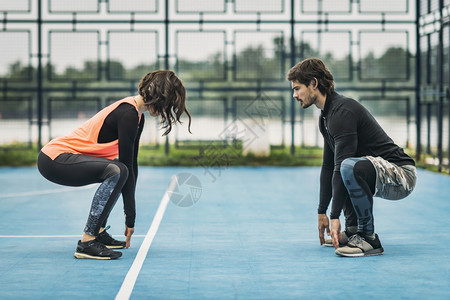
{"x": 345, "y": 235}
{"x": 109, "y": 241}
{"x": 361, "y": 245}
{"x": 95, "y": 250}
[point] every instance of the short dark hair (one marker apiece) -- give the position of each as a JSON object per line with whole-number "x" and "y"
{"x": 310, "y": 68}
{"x": 165, "y": 93}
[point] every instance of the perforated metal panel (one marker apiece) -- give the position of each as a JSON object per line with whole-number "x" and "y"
{"x": 221, "y": 49}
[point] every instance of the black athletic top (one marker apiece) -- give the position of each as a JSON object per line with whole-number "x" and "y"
{"x": 121, "y": 124}
{"x": 349, "y": 130}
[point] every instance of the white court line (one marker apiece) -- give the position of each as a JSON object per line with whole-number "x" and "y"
{"x": 131, "y": 277}
{"x": 44, "y": 192}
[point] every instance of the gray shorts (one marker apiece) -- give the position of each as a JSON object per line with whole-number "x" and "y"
{"x": 393, "y": 182}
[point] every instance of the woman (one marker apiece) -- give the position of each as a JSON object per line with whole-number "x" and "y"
{"x": 104, "y": 150}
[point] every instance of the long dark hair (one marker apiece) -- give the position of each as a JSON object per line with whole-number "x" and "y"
{"x": 310, "y": 68}
{"x": 165, "y": 93}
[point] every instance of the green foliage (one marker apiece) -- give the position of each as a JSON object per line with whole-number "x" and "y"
{"x": 253, "y": 62}
{"x": 218, "y": 156}
{"x": 199, "y": 156}
{"x": 18, "y": 155}
{"x": 391, "y": 65}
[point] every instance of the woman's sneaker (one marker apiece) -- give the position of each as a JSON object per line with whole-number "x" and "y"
{"x": 361, "y": 245}
{"x": 95, "y": 250}
{"x": 109, "y": 241}
{"x": 345, "y": 235}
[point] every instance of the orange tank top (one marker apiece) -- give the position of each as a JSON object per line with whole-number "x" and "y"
{"x": 83, "y": 140}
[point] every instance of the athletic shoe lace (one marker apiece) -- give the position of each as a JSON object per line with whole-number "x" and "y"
{"x": 107, "y": 235}
{"x": 100, "y": 248}
{"x": 356, "y": 239}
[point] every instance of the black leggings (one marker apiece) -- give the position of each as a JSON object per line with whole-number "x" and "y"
{"x": 78, "y": 170}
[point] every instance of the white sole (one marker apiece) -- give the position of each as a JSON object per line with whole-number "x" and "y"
{"x": 369, "y": 253}
{"x": 114, "y": 247}
{"x": 87, "y": 256}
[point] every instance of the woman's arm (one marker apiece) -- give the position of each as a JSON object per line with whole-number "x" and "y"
{"x": 136, "y": 147}
{"x": 127, "y": 129}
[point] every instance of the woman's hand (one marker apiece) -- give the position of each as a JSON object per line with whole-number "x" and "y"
{"x": 128, "y": 233}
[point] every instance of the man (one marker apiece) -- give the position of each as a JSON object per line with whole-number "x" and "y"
{"x": 359, "y": 161}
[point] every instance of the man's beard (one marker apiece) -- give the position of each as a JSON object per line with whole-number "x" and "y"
{"x": 312, "y": 99}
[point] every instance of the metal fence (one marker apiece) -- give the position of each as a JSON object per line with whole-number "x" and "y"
{"x": 433, "y": 83}
{"x": 63, "y": 60}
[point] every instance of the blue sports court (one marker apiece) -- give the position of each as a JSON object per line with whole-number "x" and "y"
{"x": 251, "y": 235}
{"x": 210, "y": 231}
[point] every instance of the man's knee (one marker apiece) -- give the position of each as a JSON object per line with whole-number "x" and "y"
{"x": 357, "y": 167}
{"x": 360, "y": 170}
{"x": 347, "y": 168}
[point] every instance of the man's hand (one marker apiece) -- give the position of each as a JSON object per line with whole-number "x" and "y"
{"x": 336, "y": 232}
{"x": 323, "y": 224}
{"x": 128, "y": 233}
